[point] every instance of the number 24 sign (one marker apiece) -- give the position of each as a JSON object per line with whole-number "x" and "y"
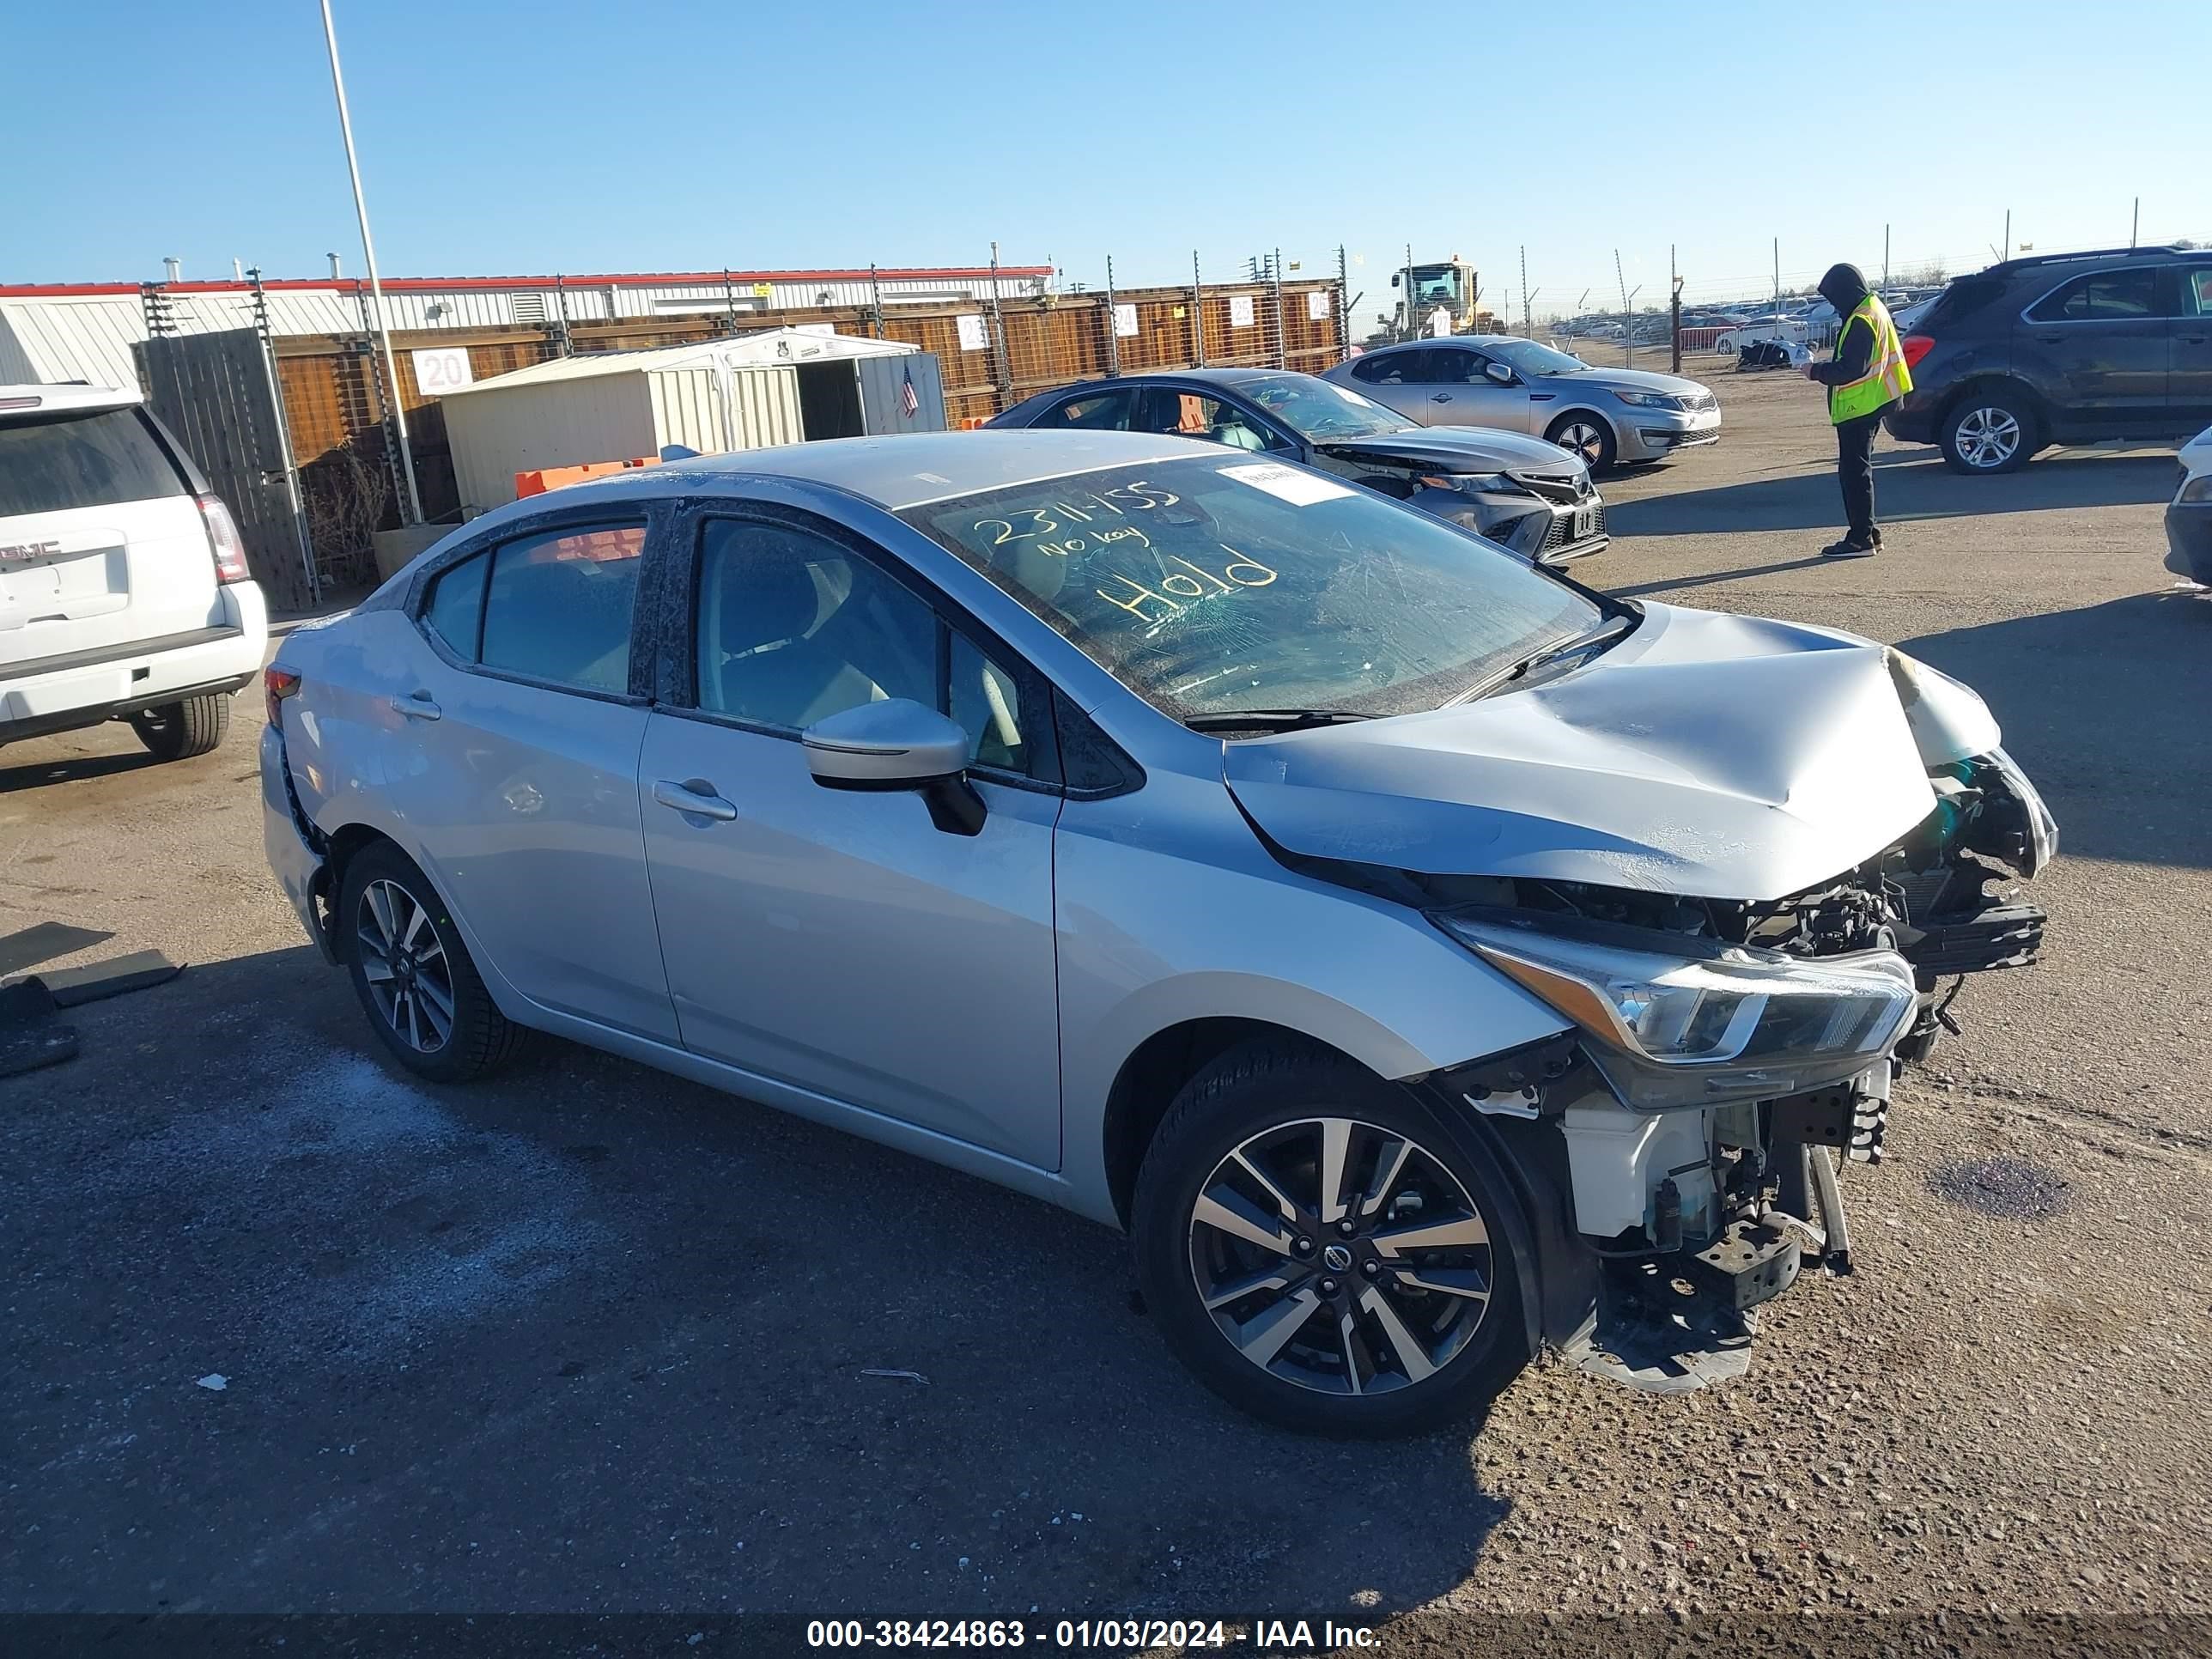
{"x": 442, "y": 368}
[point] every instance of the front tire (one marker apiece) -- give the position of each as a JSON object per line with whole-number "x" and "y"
{"x": 1587, "y": 436}
{"x": 1988, "y": 432}
{"x": 178, "y": 730}
{"x": 1321, "y": 1249}
{"x": 423, "y": 994}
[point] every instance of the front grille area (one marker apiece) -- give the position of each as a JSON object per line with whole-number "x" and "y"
{"x": 1698, "y": 404}
{"x": 1562, "y": 489}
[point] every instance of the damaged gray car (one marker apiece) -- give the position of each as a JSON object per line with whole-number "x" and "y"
{"x": 1424, "y": 958}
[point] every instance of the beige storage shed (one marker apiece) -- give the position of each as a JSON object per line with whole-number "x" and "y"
{"x": 614, "y": 406}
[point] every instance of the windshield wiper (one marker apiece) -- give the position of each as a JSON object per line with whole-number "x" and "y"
{"x": 1575, "y": 645}
{"x": 1271, "y": 720}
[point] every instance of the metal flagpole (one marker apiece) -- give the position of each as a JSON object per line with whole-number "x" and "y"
{"x": 375, "y": 287}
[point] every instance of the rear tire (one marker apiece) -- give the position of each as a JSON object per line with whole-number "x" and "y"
{"x": 1590, "y": 436}
{"x": 1391, "y": 1337}
{"x": 1988, "y": 432}
{"x": 423, "y": 994}
{"x": 178, "y": 730}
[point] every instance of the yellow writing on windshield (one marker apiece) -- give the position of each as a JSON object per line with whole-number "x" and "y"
{"x": 1190, "y": 582}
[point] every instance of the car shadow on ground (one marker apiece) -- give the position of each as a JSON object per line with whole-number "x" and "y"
{"x": 2105, "y": 708}
{"x": 66, "y": 768}
{"x": 589, "y": 1338}
{"x": 1909, "y": 486}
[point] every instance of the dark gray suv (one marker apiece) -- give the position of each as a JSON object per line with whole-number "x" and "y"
{"x": 2062, "y": 349}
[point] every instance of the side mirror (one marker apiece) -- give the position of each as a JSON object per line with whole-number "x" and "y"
{"x": 898, "y": 745}
{"x": 1499, "y": 372}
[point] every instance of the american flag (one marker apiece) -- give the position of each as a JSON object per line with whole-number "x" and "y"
{"x": 907, "y": 401}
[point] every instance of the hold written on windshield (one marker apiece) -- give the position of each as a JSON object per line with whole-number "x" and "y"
{"x": 1095, "y": 519}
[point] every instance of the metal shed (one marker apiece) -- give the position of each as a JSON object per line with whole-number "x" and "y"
{"x": 780, "y": 387}
{"x": 849, "y": 386}
{"x": 613, "y": 406}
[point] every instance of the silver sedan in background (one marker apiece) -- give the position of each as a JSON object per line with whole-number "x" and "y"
{"x": 1606, "y": 415}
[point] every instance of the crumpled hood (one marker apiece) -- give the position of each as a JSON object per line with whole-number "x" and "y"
{"x": 1711, "y": 755}
{"x": 1463, "y": 449}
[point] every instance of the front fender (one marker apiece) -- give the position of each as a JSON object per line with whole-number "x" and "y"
{"x": 1210, "y": 927}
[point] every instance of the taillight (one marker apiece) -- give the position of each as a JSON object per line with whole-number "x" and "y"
{"x": 278, "y": 684}
{"x": 222, "y": 536}
{"x": 1916, "y": 346}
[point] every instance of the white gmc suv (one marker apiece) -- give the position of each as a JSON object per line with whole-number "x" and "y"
{"x": 123, "y": 590}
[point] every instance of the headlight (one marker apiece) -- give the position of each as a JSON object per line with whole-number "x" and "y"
{"x": 1475, "y": 483}
{"x": 2199, "y": 489}
{"x": 1649, "y": 399}
{"x": 1699, "y": 1021}
{"x": 2039, "y": 835}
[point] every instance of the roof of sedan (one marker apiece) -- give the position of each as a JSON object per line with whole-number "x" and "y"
{"x": 908, "y": 469}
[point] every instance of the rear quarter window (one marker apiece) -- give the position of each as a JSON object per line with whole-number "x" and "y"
{"x": 1963, "y": 299}
{"x": 51, "y": 463}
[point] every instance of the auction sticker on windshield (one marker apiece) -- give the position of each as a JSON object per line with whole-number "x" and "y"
{"x": 1286, "y": 484}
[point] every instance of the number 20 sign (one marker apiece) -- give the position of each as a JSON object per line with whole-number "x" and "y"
{"x": 442, "y": 368}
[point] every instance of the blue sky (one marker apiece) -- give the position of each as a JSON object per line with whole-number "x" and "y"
{"x": 557, "y": 135}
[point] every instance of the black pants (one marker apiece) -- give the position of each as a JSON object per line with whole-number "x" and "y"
{"x": 1855, "y": 471}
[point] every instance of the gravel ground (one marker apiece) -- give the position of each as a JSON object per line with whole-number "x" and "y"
{"x": 590, "y": 1340}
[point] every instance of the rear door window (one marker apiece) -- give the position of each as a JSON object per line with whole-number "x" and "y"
{"x": 51, "y": 463}
{"x": 1393, "y": 368}
{"x": 2102, "y": 296}
{"x": 558, "y": 606}
{"x": 1096, "y": 411}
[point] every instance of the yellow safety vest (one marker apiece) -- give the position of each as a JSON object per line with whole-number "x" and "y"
{"x": 1886, "y": 378}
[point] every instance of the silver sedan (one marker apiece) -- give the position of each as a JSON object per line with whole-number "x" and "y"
{"x": 1606, "y": 415}
{"x": 1389, "y": 935}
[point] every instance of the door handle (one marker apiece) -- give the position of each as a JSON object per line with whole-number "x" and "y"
{"x": 696, "y": 796}
{"x": 2193, "y": 339}
{"x": 1441, "y": 398}
{"x": 418, "y": 707}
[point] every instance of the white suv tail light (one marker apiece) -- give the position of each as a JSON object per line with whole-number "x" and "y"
{"x": 224, "y": 539}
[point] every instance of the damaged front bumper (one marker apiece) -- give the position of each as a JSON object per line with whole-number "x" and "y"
{"x": 1690, "y": 1168}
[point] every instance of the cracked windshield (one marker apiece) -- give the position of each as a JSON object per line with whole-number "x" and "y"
{"x": 1211, "y": 587}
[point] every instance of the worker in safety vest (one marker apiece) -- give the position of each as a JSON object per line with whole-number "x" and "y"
{"x": 1866, "y": 377}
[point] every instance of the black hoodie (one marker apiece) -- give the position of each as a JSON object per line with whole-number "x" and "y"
{"x": 1844, "y": 287}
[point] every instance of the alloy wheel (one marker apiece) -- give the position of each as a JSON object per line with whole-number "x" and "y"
{"x": 404, "y": 961}
{"x": 1585, "y": 439}
{"x": 1341, "y": 1256}
{"x": 1988, "y": 437}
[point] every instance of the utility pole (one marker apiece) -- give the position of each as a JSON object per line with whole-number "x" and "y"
{"x": 1627, "y": 319}
{"x": 1525, "y": 328}
{"x": 1885, "y": 257}
{"x": 1005, "y": 375}
{"x": 1777, "y": 286}
{"x": 2007, "y": 254}
{"x": 1113, "y": 327}
{"x": 1343, "y": 302}
{"x": 1674, "y": 311}
{"x": 397, "y": 409}
{"x": 1282, "y": 341}
{"x": 1406, "y": 301}
{"x": 1197, "y": 312}
{"x": 2135, "y": 224}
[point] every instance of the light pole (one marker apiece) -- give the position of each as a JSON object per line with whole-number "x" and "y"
{"x": 375, "y": 287}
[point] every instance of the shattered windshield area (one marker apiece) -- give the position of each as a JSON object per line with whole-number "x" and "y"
{"x": 1318, "y": 411}
{"x": 1214, "y": 586}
